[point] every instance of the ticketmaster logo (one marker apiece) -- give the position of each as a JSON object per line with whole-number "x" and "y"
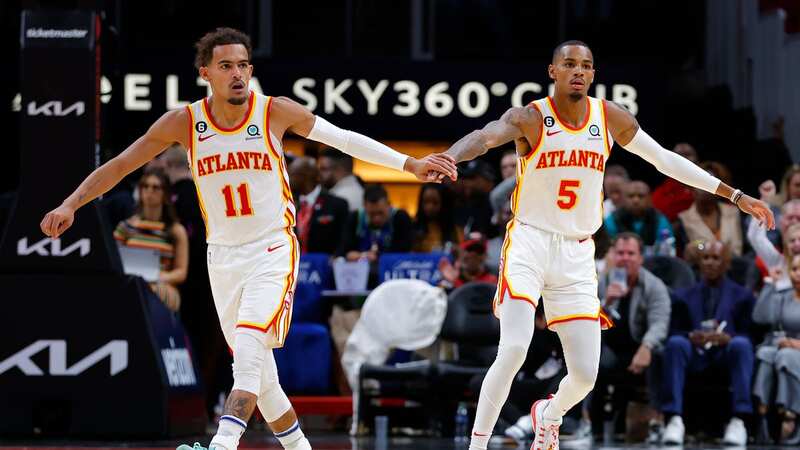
{"x": 49, "y": 33}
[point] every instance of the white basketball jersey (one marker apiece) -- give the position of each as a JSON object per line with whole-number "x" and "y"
{"x": 240, "y": 175}
{"x": 560, "y": 182}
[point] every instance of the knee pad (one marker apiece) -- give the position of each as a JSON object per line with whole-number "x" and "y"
{"x": 249, "y": 350}
{"x": 272, "y": 401}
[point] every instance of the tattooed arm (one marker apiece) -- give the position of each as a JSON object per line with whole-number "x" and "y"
{"x": 516, "y": 123}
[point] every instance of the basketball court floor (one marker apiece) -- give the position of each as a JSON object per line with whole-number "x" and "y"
{"x": 263, "y": 440}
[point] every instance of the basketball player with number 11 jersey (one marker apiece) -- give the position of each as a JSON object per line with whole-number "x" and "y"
{"x": 563, "y": 143}
{"x": 237, "y": 161}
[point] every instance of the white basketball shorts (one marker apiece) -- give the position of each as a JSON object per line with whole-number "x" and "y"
{"x": 253, "y": 285}
{"x": 561, "y": 270}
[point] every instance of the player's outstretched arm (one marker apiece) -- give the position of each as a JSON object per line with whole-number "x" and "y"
{"x": 515, "y": 123}
{"x": 293, "y": 117}
{"x": 626, "y": 131}
{"x": 172, "y": 127}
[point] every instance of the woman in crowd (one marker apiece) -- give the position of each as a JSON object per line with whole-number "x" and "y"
{"x": 770, "y": 256}
{"x": 777, "y": 380}
{"x": 155, "y": 225}
{"x": 434, "y": 226}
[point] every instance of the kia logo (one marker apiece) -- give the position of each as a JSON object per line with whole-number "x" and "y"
{"x": 115, "y": 350}
{"x": 56, "y": 108}
{"x": 52, "y": 247}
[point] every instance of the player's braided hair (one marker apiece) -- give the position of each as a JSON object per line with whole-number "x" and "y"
{"x": 220, "y": 36}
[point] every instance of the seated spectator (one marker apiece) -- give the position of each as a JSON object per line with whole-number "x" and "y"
{"x": 336, "y": 175}
{"x": 473, "y": 210}
{"x": 470, "y": 265}
{"x": 769, "y": 257}
{"x": 508, "y": 164}
{"x": 715, "y": 334}
{"x": 672, "y": 197}
{"x": 638, "y": 216}
{"x": 320, "y": 216}
{"x": 777, "y": 380}
{"x": 614, "y": 181}
{"x": 434, "y": 227}
{"x": 377, "y": 228}
{"x": 640, "y": 306}
{"x": 154, "y": 225}
{"x": 710, "y": 217}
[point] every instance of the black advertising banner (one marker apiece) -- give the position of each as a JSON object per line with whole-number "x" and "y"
{"x": 103, "y": 358}
{"x": 58, "y": 147}
{"x": 405, "y": 101}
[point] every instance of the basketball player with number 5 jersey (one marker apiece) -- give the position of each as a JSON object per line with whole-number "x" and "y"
{"x": 236, "y": 157}
{"x": 563, "y": 143}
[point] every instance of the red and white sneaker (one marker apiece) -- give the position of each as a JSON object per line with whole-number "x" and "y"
{"x": 545, "y": 431}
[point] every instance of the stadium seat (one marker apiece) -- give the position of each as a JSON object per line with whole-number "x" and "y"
{"x": 314, "y": 276}
{"x": 304, "y": 362}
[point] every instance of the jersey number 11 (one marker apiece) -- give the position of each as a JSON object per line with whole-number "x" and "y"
{"x": 244, "y": 199}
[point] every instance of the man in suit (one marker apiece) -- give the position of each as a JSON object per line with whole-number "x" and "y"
{"x": 320, "y": 216}
{"x": 714, "y": 332}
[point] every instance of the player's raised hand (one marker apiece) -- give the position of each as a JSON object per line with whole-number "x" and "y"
{"x": 433, "y": 168}
{"x": 758, "y": 209}
{"x": 57, "y": 221}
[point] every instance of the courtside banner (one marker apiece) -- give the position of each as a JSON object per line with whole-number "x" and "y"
{"x": 58, "y": 147}
{"x": 403, "y": 100}
{"x": 105, "y": 358}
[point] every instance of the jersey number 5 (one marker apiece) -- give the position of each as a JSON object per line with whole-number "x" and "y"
{"x": 567, "y": 196}
{"x": 244, "y": 199}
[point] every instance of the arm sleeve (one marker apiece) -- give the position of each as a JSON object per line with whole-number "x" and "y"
{"x": 670, "y": 163}
{"x": 757, "y": 235}
{"x": 356, "y": 145}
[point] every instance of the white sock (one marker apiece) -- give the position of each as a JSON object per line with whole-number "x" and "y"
{"x": 229, "y": 431}
{"x": 293, "y": 438}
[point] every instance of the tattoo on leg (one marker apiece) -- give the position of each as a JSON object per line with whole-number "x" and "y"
{"x": 240, "y": 404}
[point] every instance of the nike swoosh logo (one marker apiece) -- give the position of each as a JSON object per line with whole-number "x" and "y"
{"x": 203, "y": 138}
{"x": 550, "y": 133}
{"x": 272, "y": 249}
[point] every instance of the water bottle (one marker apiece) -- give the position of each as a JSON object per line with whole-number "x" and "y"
{"x": 462, "y": 425}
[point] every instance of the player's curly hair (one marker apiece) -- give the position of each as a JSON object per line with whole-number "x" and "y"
{"x": 220, "y": 36}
